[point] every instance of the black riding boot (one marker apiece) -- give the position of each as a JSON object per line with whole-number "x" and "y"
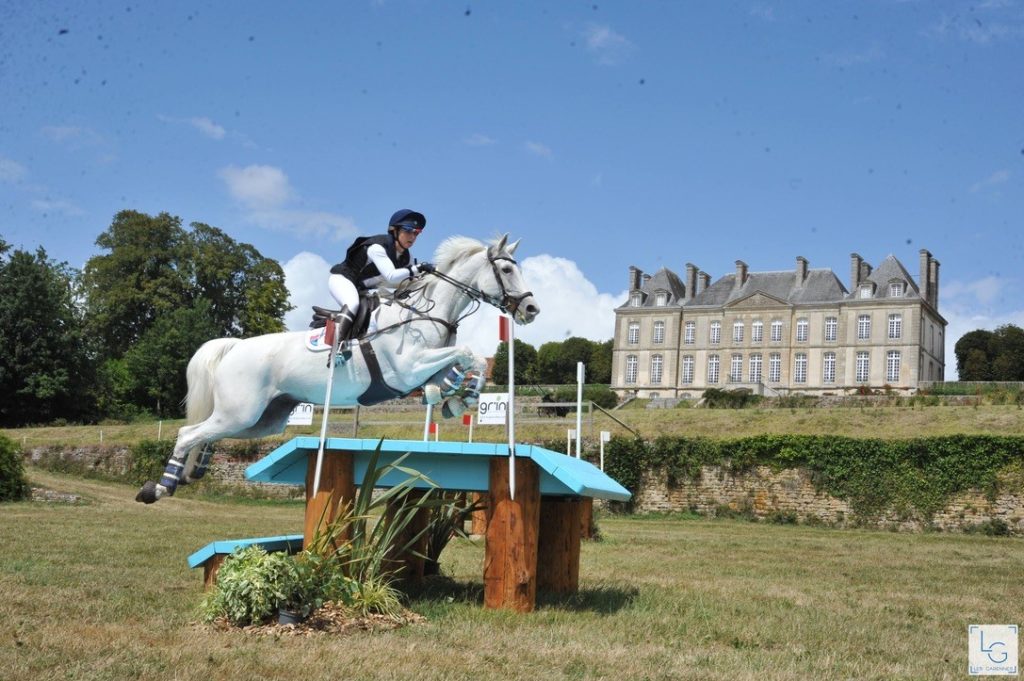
{"x": 343, "y": 320}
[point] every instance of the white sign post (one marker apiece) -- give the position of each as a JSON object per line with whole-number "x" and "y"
{"x": 580, "y": 371}
{"x": 606, "y": 436}
{"x": 569, "y": 435}
{"x": 302, "y": 415}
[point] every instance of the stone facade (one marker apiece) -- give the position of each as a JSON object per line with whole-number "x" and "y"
{"x": 800, "y": 331}
{"x": 765, "y": 494}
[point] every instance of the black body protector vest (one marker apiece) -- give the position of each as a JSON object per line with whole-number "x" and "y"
{"x": 357, "y": 266}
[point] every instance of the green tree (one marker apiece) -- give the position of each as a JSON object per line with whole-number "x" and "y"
{"x": 973, "y": 362}
{"x": 551, "y": 363}
{"x": 44, "y": 369}
{"x": 526, "y": 361}
{"x": 1007, "y": 352}
{"x": 156, "y": 363}
{"x": 599, "y": 369}
{"x": 141, "y": 278}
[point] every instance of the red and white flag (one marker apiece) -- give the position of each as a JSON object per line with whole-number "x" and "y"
{"x": 503, "y": 329}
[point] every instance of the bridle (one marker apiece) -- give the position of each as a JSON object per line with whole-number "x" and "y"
{"x": 506, "y": 301}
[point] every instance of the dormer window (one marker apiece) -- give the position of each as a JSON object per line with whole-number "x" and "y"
{"x": 866, "y": 291}
{"x": 661, "y": 299}
{"x": 636, "y": 299}
{"x": 895, "y": 289}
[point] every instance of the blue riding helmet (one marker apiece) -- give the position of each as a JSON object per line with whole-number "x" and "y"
{"x": 408, "y": 219}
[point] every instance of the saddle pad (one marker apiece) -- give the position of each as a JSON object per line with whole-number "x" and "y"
{"x": 316, "y": 340}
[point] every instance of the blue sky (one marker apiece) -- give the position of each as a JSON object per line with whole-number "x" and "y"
{"x": 604, "y": 133}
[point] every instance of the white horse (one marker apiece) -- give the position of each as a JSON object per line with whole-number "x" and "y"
{"x": 246, "y": 388}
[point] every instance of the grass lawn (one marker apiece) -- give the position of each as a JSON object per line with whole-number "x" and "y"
{"x": 101, "y": 590}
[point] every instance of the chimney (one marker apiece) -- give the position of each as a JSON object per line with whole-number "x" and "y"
{"x": 634, "y": 278}
{"x": 924, "y": 280}
{"x": 865, "y": 271}
{"x": 855, "y": 261}
{"x": 646, "y": 278}
{"x": 691, "y": 280}
{"x": 801, "y": 269}
{"x": 703, "y": 281}
{"x": 933, "y": 283}
{"x": 741, "y": 274}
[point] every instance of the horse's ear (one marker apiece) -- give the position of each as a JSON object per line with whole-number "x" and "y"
{"x": 500, "y": 246}
{"x": 513, "y": 246}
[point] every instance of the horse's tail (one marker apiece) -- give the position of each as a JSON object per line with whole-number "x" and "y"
{"x": 199, "y": 400}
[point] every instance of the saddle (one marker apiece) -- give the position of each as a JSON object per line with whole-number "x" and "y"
{"x": 368, "y": 302}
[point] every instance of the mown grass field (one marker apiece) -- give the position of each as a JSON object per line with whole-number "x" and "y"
{"x": 101, "y": 591}
{"x": 883, "y": 421}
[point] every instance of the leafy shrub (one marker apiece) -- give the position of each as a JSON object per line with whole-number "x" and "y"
{"x": 715, "y": 398}
{"x": 13, "y": 484}
{"x": 601, "y": 395}
{"x": 147, "y": 461}
{"x": 251, "y": 586}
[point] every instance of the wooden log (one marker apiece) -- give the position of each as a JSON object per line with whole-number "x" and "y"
{"x": 210, "y": 569}
{"x": 409, "y": 565}
{"x": 586, "y": 517}
{"x": 510, "y": 557}
{"x": 558, "y": 553}
{"x": 337, "y": 489}
{"x": 478, "y": 523}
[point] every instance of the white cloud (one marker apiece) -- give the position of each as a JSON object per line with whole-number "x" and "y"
{"x": 305, "y": 275}
{"x": 853, "y": 58}
{"x": 994, "y": 180}
{"x": 208, "y": 127}
{"x": 305, "y": 223}
{"x": 609, "y": 46}
{"x": 258, "y": 187}
{"x": 538, "y": 149}
{"x": 47, "y": 206}
{"x": 478, "y": 140}
{"x": 11, "y": 171}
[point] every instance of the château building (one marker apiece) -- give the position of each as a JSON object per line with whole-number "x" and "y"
{"x": 798, "y": 331}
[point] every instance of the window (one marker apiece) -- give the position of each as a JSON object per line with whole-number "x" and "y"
{"x": 895, "y": 289}
{"x": 774, "y": 367}
{"x": 713, "y": 363}
{"x": 736, "y": 369}
{"x": 895, "y": 325}
{"x": 754, "y": 368}
{"x": 865, "y": 291}
{"x": 659, "y": 332}
{"x": 689, "y": 332}
{"x": 631, "y": 365}
{"x": 715, "y": 334}
{"x": 776, "y": 330}
{"x": 801, "y": 330}
{"x": 661, "y": 299}
{"x": 737, "y": 332}
{"x": 892, "y": 366}
{"x": 800, "y": 368}
{"x": 687, "y": 369}
{"x": 757, "y": 331}
{"x": 863, "y": 367}
{"x": 831, "y": 328}
{"x": 656, "y": 364}
{"x": 864, "y": 327}
{"x": 828, "y": 368}
{"x": 634, "y": 333}
{"x": 636, "y": 299}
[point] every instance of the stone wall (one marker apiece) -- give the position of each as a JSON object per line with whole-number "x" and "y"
{"x": 767, "y": 494}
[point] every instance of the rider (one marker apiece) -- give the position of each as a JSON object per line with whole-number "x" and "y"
{"x": 374, "y": 261}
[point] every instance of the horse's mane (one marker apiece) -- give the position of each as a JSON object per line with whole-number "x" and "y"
{"x": 455, "y": 248}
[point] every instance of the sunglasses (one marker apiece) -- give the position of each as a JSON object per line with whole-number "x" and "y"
{"x": 415, "y": 229}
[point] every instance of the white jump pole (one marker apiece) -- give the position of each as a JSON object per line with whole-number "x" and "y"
{"x": 331, "y": 361}
{"x": 579, "y": 405}
{"x": 506, "y": 331}
{"x": 426, "y": 422}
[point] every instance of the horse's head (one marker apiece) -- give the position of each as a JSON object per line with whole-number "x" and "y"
{"x": 507, "y": 285}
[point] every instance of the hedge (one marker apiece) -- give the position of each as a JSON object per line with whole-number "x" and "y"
{"x": 13, "y": 483}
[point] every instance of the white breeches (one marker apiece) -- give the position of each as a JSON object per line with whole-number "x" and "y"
{"x": 344, "y": 291}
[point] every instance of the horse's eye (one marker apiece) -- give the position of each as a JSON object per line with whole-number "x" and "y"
{"x": 507, "y": 269}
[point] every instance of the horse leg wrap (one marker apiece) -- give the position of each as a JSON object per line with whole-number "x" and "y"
{"x": 201, "y": 465}
{"x": 453, "y": 407}
{"x": 452, "y": 381}
{"x": 474, "y": 384}
{"x": 172, "y": 476}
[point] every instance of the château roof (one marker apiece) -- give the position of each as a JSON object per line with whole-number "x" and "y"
{"x": 820, "y": 285}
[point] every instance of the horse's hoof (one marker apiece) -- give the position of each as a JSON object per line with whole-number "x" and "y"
{"x": 147, "y": 494}
{"x": 453, "y": 407}
{"x": 431, "y": 394}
